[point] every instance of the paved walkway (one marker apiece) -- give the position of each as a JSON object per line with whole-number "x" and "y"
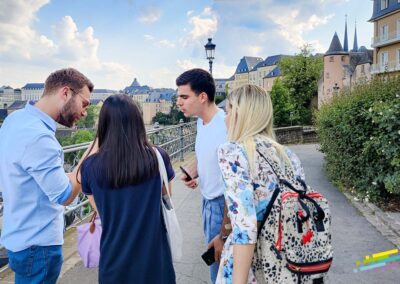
{"x": 353, "y": 236}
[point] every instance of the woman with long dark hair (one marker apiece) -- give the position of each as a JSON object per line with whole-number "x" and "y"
{"x": 122, "y": 179}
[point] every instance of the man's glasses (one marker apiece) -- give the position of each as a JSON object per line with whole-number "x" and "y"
{"x": 85, "y": 102}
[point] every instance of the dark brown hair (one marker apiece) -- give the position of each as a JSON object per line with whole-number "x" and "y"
{"x": 67, "y": 77}
{"x": 199, "y": 81}
{"x": 125, "y": 155}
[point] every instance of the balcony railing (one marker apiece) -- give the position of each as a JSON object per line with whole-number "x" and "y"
{"x": 385, "y": 39}
{"x": 382, "y": 68}
{"x": 176, "y": 140}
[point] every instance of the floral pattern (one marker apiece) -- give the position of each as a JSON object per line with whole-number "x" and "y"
{"x": 247, "y": 195}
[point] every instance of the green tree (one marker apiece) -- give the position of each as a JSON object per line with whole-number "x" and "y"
{"x": 90, "y": 119}
{"x": 79, "y": 136}
{"x": 176, "y": 114}
{"x": 283, "y": 108}
{"x": 301, "y": 74}
{"x": 219, "y": 99}
{"x": 162, "y": 118}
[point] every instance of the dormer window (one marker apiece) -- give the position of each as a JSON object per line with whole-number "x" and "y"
{"x": 384, "y": 4}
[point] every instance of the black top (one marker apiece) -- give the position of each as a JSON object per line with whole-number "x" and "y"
{"x": 134, "y": 246}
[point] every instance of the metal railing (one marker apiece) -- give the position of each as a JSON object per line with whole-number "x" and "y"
{"x": 385, "y": 39}
{"x": 387, "y": 67}
{"x": 175, "y": 140}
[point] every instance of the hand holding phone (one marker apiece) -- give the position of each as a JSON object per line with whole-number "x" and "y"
{"x": 188, "y": 177}
{"x": 209, "y": 256}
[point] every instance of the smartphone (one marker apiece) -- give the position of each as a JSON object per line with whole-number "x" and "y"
{"x": 188, "y": 177}
{"x": 209, "y": 256}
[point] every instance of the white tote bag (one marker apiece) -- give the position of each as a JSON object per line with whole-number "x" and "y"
{"x": 174, "y": 232}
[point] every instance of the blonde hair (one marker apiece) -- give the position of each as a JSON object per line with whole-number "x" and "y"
{"x": 252, "y": 114}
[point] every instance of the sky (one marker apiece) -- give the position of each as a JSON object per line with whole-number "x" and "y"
{"x": 114, "y": 41}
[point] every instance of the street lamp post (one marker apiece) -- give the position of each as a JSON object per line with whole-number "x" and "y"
{"x": 210, "y": 49}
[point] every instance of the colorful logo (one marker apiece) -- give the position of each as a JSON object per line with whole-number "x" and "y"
{"x": 387, "y": 259}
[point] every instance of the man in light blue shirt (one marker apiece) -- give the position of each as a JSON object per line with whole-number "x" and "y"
{"x": 196, "y": 92}
{"x": 34, "y": 184}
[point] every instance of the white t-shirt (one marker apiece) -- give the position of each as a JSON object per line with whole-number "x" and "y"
{"x": 208, "y": 139}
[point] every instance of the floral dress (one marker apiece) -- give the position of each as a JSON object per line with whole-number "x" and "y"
{"x": 247, "y": 196}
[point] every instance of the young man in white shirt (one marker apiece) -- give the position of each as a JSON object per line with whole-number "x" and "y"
{"x": 196, "y": 92}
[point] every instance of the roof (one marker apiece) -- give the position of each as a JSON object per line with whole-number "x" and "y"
{"x": 276, "y": 72}
{"x": 160, "y": 94}
{"x": 6, "y": 88}
{"x": 135, "y": 83}
{"x": 270, "y": 61}
{"x": 104, "y": 91}
{"x": 137, "y": 89}
{"x": 358, "y": 58}
{"x": 247, "y": 63}
{"x": 393, "y": 6}
{"x": 335, "y": 47}
{"x": 33, "y": 86}
{"x": 17, "y": 105}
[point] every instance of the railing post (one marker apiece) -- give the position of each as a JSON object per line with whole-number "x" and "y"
{"x": 182, "y": 140}
{"x": 156, "y": 138}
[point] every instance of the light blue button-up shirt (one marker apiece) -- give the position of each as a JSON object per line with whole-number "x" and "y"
{"x": 32, "y": 180}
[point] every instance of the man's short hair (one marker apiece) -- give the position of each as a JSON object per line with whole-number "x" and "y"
{"x": 66, "y": 77}
{"x": 199, "y": 81}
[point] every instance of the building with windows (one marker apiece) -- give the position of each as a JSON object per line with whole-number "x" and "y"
{"x": 386, "y": 38}
{"x": 220, "y": 87}
{"x": 343, "y": 68}
{"x": 246, "y": 64}
{"x": 32, "y": 91}
{"x": 101, "y": 94}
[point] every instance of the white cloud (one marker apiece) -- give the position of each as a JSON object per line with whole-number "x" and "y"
{"x": 166, "y": 43}
{"x": 17, "y": 38}
{"x": 189, "y": 13}
{"x": 292, "y": 28}
{"x": 150, "y": 15}
{"x": 148, "y": 37}
{"x": 203, "y": 26}
{"x": 21, "y": 45}
{"x": 186, "y": 64}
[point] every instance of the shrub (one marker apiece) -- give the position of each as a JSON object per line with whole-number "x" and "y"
{"x": 359, "y": 133}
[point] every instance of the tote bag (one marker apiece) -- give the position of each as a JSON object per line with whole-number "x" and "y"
{"x": 89, "y": 235}
{"x": 174, "y": 232}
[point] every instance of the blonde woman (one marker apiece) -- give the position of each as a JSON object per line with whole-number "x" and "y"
{"x": 249, "y": 179}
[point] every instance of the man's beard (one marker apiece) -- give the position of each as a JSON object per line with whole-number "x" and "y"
{"x": 67, "y": 115}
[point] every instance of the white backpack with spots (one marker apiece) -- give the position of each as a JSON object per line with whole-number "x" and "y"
{"x": 294, "y": 239}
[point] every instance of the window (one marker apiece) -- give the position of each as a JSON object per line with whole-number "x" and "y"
{"x": 384, "y": 4}
{"x": 342, "y": 58}
{"x": 327, "y": 75}
{"x": 398, "y": 58}
{"x": 331, "y": 58}
{"x": 384, "y": 59}
{"x": 362, "y": 69}
{"x": 398, "y": 27}
{"x": 384, "y": 33}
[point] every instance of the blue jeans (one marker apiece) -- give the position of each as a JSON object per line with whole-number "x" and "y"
{"x": 213, "y": 215}
{"x": 36, "y": 264}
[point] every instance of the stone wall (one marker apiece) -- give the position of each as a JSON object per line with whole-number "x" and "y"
{"x": 296, "y": 135}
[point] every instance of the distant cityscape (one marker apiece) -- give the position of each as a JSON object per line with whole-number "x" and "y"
{"x": 343, "y": 68}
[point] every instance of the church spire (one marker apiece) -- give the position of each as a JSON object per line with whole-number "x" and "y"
{"x": 355, "y": 44}
{"x": 345, "y": 43}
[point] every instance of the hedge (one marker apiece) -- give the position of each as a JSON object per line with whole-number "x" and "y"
{"x": 359, "y": 133}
